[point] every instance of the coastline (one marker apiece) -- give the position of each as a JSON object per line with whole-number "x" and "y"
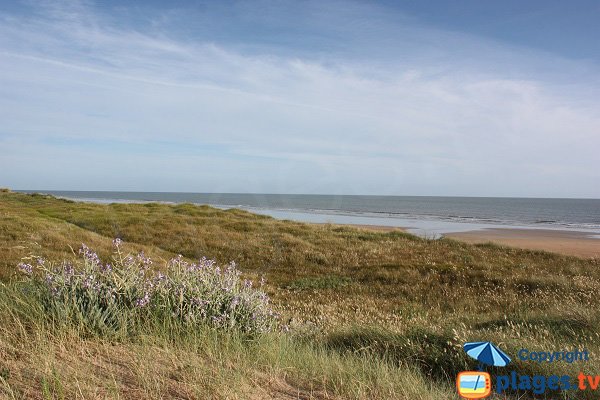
{"x": 573, "y": 243}
{"x": 580, "y": 243}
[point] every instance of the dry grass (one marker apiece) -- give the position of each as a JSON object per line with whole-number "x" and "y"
{"x": 40, "y": 362}
{"x": 334, "y": 284}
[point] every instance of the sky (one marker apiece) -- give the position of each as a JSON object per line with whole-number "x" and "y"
{"x": 454, "y": 98}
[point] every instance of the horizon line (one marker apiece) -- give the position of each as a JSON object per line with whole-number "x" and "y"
{"x": 42, "y": 191}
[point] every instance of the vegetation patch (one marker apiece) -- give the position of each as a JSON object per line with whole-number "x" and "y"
{"x": 320, "y": 283}
{"x": 120, "y": 295}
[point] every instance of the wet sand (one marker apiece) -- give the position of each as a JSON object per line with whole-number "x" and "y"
{"x": 565, "y": 242}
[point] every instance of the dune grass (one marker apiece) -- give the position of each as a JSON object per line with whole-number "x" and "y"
{"x": 373, "y": 314}
{"x": 46, "y": 358}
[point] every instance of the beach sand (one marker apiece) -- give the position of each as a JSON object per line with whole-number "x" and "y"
{"x": 573, "y": 243}
{"x": 565, "y": 242}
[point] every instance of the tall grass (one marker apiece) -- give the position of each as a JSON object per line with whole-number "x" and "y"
{"x": 45, "y": 360}
{"x": 195, "y": 314}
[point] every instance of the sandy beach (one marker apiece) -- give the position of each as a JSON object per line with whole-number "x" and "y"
{"x": 575, "y": 243}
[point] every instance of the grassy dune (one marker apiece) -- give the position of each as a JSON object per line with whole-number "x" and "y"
{"x": 373, "y": 315}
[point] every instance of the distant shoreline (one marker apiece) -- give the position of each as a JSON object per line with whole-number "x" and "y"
{"x": 571, "y": 240}
{"x": 574, "y": 243}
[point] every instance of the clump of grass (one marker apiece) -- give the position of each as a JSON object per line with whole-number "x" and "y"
{"x": 434, "y": 353}
{"x": 319, "y": 283}
{"x": 118, "y": 296}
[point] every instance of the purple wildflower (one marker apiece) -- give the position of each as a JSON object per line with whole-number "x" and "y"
{"x": 173, "y": 261}
{"x": 49, "y": 279}
{"x": 158, "y": 279}
{"x": 234, "y": 302}
{"x": 143, "y": 301}
{"x": 149, "y": 284}
{"x": 89, "y": 255}
{"x": 146, "y": 261}
{"x": 91, "y": 283}
{"x": 68, "y": 269}
{"x": 231, "y": 267}
{"x": 206, "y": 263}
{"x": 106, "y": 268}
{"x": 26, "y": 268}
{"x": 199, "y": 302}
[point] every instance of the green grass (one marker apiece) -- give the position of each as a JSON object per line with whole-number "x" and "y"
{"x": 374, "y": 315}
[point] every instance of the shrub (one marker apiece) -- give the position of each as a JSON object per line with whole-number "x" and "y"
{"x": 118, "y": 296}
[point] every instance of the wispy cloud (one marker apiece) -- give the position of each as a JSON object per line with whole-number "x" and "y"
{"x": 421, "y": 111}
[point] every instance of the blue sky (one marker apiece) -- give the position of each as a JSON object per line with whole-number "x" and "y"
{"x": 409, "y": 98}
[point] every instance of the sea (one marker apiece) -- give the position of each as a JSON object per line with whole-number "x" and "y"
{"x": 423, "y": 215}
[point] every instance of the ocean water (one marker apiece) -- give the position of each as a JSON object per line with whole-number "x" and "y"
{"x": 421, "y": 214}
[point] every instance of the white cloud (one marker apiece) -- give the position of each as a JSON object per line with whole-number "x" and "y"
{"x": 422, "y": 120}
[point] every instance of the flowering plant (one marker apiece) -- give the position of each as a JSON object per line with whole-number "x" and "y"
{"x": 126, "y": 291}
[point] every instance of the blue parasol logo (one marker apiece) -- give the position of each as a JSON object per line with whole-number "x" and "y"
{"x": 486, "y": 353}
